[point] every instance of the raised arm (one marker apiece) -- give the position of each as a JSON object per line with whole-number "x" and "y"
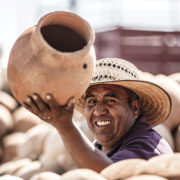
{"x": 81, "y": 149}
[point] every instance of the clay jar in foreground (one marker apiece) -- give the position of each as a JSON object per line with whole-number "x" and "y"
{"x": 55, "y": 56}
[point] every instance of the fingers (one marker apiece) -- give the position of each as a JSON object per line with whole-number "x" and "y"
{"x": 31, "y": 105}
{"x": 71, "y": 103}
{"x": 40, "y": 107}
{"x": 54, "y": 105}
{"x": 35, "y": 104}
{"x": 51, "y": 101}
{"x": 40, "y": 102}
{"x": 27, "y": 106}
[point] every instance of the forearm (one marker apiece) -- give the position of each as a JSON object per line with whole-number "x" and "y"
{"x": 82, "y": 150}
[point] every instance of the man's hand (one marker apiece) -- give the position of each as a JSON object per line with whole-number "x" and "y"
{"x": 49, "y": 110}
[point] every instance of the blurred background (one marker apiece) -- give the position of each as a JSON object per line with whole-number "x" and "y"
{"x": 145, "y": 32}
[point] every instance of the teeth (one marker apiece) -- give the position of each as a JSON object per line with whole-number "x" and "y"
{"x": 103, "y": 123}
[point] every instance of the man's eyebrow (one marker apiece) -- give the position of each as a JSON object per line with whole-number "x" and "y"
{"x": 88, "y": 96}
{"x": 111, "y": 95}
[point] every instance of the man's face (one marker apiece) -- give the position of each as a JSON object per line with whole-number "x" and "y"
{"x": 108, "y": 114}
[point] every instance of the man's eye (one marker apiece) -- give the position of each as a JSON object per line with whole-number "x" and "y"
{"x": 91, "y": 101}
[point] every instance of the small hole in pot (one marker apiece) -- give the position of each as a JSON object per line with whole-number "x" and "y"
{"x": 84, "y": 66}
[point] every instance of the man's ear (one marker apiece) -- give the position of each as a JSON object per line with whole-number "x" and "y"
{"x": 135, "y": 105}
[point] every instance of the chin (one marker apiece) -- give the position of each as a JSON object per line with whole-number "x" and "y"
{"x": 104, "y": 141}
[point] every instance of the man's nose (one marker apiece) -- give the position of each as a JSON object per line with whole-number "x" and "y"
{"x": 100, "y": 109}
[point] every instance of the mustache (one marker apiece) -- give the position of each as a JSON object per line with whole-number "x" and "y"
{"x": 101, "y": 118}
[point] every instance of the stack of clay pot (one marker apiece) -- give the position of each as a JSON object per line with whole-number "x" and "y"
{"x": 165, "y": 167}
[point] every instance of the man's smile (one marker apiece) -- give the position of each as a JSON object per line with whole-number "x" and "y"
{"x": 102, "y": 123}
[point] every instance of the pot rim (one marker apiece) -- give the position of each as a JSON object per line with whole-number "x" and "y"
{"x": 90, "y": 34}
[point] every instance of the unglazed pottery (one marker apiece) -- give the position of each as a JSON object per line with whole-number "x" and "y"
{"x": 55, "y": 56}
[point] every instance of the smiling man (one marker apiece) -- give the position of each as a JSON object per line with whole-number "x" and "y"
{"x": 109, "y": 113}
{"x": 120, "y": 110}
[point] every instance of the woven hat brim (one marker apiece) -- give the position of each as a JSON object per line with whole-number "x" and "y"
{"x": 155, "y": 101}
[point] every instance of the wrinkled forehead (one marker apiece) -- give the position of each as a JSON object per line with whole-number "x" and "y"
{"x": 106, "y": 88}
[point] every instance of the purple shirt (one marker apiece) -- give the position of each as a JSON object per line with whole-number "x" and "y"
{"x": 141, "y": 141}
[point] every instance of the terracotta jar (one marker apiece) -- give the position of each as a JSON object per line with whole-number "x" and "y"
{"x": 55, "y": 56}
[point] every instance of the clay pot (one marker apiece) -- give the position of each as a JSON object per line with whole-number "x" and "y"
{"x": 166, "y": 134}
{"x": 130, "y": 167}
{"x": 10, "y": 177}
{"x": 12, "y": 166}
{"x": 46, "y": 176}
{"x": 56, "y": 56}
{"x": 29, "y": 170}
{"x": 176, "y": 77}
{"x": 24, "y": 119}
{"x": 36, "y": 137}
{"x": 6, "y": 120}
{"x": 166, "y": 165}
{"x": 55, "y": 156}
{"x": 85, "y": 174}
{"x": 8, "y": 101}
{"x": 13, "y": 144}
{"x": 173, "y": 88}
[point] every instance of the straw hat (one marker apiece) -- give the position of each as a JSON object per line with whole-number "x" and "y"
{"x": 155, "y": 101}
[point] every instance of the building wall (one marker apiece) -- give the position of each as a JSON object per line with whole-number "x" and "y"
{"x": 152, "y": 51}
